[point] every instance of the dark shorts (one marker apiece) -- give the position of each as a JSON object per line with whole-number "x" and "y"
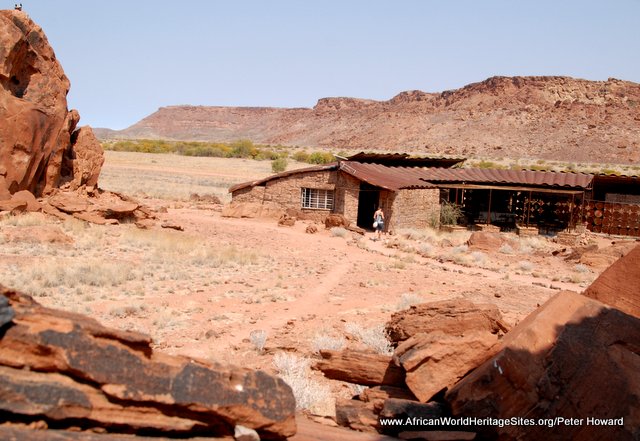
{"x": 380, "y": 226}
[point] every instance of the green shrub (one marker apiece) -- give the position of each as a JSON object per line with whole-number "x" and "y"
{"x": 450, "y": 214}
{"x": 243, "y": 148}
{"x": 301, "y": 156}
{"x": 279, "y": 165}
{"x": 320, "y": 158}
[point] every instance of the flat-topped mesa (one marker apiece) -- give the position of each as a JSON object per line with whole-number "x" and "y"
{"x": 549, "y": 118}
{"x": 39, "y": 150}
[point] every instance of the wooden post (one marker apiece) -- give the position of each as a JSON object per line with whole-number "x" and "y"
{"x": 489, "y": 209}
{"x": 528, "y": 208}
{"x": 572, "y": 225}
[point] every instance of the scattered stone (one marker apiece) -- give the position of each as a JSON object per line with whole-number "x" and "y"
{"x": 26, "y": 196}
{"x": 311, "y": 229}
{"x": 364, "y": 368}
{"x": 172, "y": 226}
{"x": 486, "y": 241}
{"x": 336, "y": 220}
{"x": 356, "y": 415}
{"x": 404, "y": 409}
{"x": 384, "y": 392}
{"x": 453, "y": 317}
{"x": 242, "y": 433}
{"x": 206, "y": 198}
{"x": 286, "y": 220}
{"x": 13, "y": 207}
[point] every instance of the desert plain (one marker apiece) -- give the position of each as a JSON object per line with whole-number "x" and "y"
{"x": 253, "y": 293}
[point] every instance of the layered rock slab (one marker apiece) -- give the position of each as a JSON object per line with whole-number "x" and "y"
{"x": 571, "y": 358}
{"x": 452, "y": 317}
{"x": 437, "y": 361}
{"x": 67, "y": 368}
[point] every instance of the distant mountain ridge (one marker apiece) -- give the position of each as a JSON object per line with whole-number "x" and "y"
{"x": 556, "y": 118}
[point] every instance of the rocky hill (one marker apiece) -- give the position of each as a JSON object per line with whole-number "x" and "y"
{"x": 559, "y": 118}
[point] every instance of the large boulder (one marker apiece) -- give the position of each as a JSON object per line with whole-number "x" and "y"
{"x": 436, "y": 361}
{"x": 619, "y": 284}
{"x": 569, "y": 370}
{"x": 69, "y": 371}
{"x": 36, "y": 128}
{"x": 452, "y": 317}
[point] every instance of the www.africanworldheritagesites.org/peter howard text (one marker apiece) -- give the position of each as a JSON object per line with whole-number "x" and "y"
{"x": 500, "y": 422}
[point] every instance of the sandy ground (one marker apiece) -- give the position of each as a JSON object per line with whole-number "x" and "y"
{"x": 243, "y": 290}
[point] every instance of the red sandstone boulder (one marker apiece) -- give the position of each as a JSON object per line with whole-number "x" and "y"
{"x": 486, "y": 241}
{"x": 69, "y": 371}
{"x": 436, "y": 361}
{"x": 619, "y": 285}
{"x": 86, "y": 159}
{"x": 571, "y": 358}
{"x": 24, "y": 196}
{"x": 452, "y": 317}
{"x": 336, "y": 220}
{"x": 36, "y": 129}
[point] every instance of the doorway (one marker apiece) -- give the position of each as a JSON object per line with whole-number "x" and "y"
{"x": 368, "y": 199}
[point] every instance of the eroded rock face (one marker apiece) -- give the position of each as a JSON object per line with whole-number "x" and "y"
{"x": 36, "y": 128}
{"x": 69, "y": 370}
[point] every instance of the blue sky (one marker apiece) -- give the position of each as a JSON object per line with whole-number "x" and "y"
{"x": 125, "y": 59}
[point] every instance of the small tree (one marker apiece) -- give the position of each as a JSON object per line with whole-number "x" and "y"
{"x": 279, "y": 165}
{"x": 450, "y": 214}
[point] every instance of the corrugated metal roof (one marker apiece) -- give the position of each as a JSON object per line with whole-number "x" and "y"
{"x": 406, "y": 159}
{"x": 396, "y": 178}
{"x": 391, "y": 178}
{"x": 520, "y": 177}
{"x": 284, "y": 174}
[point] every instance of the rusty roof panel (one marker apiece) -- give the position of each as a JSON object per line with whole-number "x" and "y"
{"x": 501, "y": 176}
{"x": 391, "y": 178}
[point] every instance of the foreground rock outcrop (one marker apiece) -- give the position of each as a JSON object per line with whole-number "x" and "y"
{"x": 69, "y": 371}
{"x": 570, "y": 369}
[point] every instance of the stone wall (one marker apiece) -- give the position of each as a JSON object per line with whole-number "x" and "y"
{"x": 249, "y": 194}
{"x": 413, "y": 208}
{"x": 347, "y": 195}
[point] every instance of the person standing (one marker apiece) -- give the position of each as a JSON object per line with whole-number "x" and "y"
{"x": 378, "y": 222}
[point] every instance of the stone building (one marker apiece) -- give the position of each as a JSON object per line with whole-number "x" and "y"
{"x": 411, "y": 191}
{"x": 355, "y": 187}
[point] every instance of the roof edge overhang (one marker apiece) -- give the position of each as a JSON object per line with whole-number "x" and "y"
{"x": 284, "y": 174}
